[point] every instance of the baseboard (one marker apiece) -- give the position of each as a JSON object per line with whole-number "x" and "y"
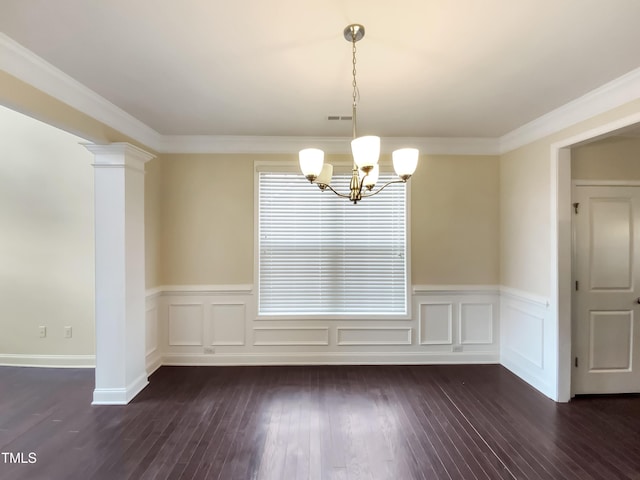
{"x": 153, "y": 362}
{"x": 48, "y": 361}
{"x": 119, "y": 396}
{"x": 527, "y": 376}
{"x": 346, "y": 358}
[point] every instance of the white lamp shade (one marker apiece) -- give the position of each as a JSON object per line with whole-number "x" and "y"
{"x": 405, "y": 161}
{"x": 371, "y": 179}
{"x": 366, "y": 151}
{"x": 325, "y": 175}
{"x": 311, "y": 160}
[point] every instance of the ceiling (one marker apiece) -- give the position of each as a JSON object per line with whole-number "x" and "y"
{"x": 426, "y": 68}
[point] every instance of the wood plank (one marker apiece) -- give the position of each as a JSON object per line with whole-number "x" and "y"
{"x": 315, "y": 422}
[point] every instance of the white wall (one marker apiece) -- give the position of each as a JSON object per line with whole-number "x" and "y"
{"x": 46, "y": 244}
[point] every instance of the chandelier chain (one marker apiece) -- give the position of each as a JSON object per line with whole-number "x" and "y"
{"x": 355, "y": 84}
{"x": 356, "y": 93}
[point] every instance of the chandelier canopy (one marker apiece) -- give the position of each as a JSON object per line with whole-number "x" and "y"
{"x": 365, "y": 150}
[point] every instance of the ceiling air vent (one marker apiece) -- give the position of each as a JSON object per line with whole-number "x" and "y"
{"x": 340, "y": 117}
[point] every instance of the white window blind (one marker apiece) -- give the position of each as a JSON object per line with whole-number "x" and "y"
{"x": 321, "y": 255}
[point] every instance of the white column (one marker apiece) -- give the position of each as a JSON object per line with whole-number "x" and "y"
{"x": 120, "y": 272}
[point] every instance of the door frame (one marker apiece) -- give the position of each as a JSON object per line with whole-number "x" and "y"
{"x": 561, "y": 232}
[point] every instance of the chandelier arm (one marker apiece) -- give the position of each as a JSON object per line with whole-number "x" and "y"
{"x": 361, "y": 181}
{"x": 383, "y": 187}
{"x": 333, "y": 190}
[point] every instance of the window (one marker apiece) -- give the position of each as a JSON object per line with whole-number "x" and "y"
{"x": 319, "y": 254}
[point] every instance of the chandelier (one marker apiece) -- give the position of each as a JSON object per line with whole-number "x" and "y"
{"x": 365, "y": 151}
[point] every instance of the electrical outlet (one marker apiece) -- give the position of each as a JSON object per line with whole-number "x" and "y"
{"x": 456, "y": 348}
{"x": 209, "y": 350}
{"x": 68, "y": 332}
{"x": 42, "y": 331}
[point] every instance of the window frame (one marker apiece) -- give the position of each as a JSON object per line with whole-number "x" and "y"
{"x": 340, "y": 167}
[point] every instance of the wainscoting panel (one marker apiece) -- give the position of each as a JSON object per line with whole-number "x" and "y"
{"x": 476, "y": 323}
{"x": 463, "y": 320}
{"x": 186, "y": 324}
{"x": 526, "y": 345}
{"x": 218, "y": 325}
{"x": 227, "y": 323}
{"x": 373, "y": 336}
{"x": 151, "y": 323}
{"x": 152, "y": 337}
{"x": 524, "y": 334}
{"x": 281, "y": 336}
{"x": 436, "y": 323}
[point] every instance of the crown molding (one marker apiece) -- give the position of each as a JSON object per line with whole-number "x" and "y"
{"x": 458, "y": 146}
{"x": 622, "y": 90}
{"x": 35, "y": 71}
{"x": 335, "y": 145}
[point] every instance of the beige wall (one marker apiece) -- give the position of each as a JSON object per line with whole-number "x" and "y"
{"x": 46, "y": 245}
{"x": 455, "y": 221}
{"x": 524, "y": 219}
{"x": 614, "y": 158}
{"x": 206, "y": 226}
{"x": 21, "y": 97}
{"x": 152, "y": 234}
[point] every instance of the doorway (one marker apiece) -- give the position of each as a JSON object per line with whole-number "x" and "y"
{"x": 606, "y": 291}
{"x": 561, "y": 246}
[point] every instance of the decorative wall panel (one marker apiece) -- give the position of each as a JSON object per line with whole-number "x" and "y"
{"x": 186, "y": 324}
{"x": 476, "y": 323}
{"x": 373, "y": 336}
{"x": 227, "y": 323}
{"x": 436, "y": 323}
{"x": 281, "y": 336}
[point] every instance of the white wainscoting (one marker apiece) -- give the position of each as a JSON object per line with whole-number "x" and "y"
{"x": 461, "y": 319}
{"x": 216, "y": 325}
{"x": 526, "y": 335}
{"x": 152, "y": 335}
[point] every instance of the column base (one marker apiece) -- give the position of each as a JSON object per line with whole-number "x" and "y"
{"x": 119, "y": 396}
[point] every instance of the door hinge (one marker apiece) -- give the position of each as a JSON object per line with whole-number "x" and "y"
{"x": 576, "y": 362}
{"x": 577, "y": 285}
{"x": 575, "y": 207}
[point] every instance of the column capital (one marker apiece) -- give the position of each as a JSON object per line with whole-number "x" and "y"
{"x": 119, "y": 154}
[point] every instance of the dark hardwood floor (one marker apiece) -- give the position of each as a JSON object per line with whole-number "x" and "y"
{"x": 316, "y": 422}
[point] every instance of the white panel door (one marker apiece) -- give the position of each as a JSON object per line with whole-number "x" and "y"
{"x": 606, "y": 333}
